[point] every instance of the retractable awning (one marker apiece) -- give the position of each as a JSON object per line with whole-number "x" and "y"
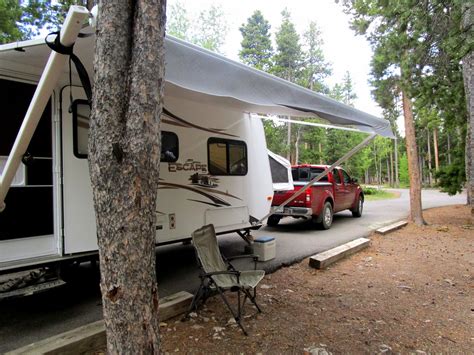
{"x": 194, "y": 72}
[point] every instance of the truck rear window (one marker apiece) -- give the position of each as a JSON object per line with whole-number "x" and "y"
{"x": 307, "y": 174}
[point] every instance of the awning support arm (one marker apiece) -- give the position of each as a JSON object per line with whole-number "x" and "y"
{"x": 52, "y": 71}
{"x": 323, "y": 174}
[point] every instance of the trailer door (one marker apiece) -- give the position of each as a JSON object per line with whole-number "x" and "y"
{"x": 27, "y": 223}
{"x": 79, "y": 218}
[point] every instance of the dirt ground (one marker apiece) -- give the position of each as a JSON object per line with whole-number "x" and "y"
{"x": 410, "y": 292}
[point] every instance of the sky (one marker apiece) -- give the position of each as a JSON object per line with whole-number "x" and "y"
{"x": 342, "y": 48}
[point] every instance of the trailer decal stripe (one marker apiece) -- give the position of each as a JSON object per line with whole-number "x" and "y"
{"x": 192, "y": 125}
{"x": 215, "y": 199}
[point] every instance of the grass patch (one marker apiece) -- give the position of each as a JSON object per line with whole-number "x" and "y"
{"x": 372, "y": 194}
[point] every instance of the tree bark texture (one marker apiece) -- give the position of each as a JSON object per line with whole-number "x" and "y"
{"x": 288, "y": 140}
{"x": 435, "y": 146}
{"x": 468, "y": 73}
{"x": 416, "y": 213}
{"x": 430, "y": 168}
{"x": 124, "y": 156}
{"x": 397, "y": 179}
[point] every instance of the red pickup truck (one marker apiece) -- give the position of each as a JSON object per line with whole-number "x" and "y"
{"x": 335, "y": 192}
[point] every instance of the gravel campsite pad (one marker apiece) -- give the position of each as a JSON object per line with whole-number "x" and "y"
{"x": 410, "y": 292}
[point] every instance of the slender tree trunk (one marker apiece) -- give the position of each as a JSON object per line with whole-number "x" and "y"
{"x": 435, "y": 146}
{"x": 124, "y": 156}
{"x": 320, "y": 153}
{"x": 397, "y": 178}
{"x": 416, "y": 212}
{"x": 421, "y": 164}
{"x": 449, "y": 147}
{"x": 297, "y": 145}
{"x": 388, "y": 172}
{"x": 288, "y": 140}
{"x": 376, "y": 164}
{"x": 430, "y": 169}
{"x": 392, "y": 178}
{"x": 380, "y": 172}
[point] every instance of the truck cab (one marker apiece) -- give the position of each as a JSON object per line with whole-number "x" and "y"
{"x": 335, "y": 192}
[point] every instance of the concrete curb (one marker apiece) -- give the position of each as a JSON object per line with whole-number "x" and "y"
{"x": 91, "y": 337}
{"x": 391, "y": 227}
{"x": 328, "y": 257}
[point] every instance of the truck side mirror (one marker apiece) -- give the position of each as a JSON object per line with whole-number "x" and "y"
{"x": 354, "y": 180}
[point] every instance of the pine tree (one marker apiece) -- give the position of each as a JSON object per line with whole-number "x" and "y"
{"x": 256, "y": 43}
{"x": 288, "y": 58}
{"x": 315, "y": 67}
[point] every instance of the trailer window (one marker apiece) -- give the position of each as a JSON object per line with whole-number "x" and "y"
{"x": 279, "y": 171}
{"x": 169, "y": 147}
{"x": 81, "y": 113}
{"x": 227, "y": 157}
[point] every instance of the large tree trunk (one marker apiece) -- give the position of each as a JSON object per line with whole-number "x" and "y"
{"x": 124, "y": 155}
{"x": 416, "y": 212}
{"x": 468, "y": 74}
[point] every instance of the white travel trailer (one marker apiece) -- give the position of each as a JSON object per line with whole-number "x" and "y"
{"x": 214, "y": 163}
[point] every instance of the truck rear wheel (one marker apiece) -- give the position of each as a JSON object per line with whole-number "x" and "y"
{"x": 357, "y": 211}
{"x": 324, "y": 220}
{"x": 273, "y": 220}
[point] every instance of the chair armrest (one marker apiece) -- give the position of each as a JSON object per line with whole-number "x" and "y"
{"x": 228, "y": 272}
{"x": 247, "y": 256}
{"x": 243, "y": 257}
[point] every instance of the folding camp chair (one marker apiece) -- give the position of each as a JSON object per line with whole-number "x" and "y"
{"x": 218, "y": 275}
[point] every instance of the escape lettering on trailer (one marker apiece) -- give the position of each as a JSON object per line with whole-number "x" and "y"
{"x": 189, "y": 165}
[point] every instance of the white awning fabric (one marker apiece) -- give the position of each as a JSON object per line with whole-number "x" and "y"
{"x": 194, "y": 72}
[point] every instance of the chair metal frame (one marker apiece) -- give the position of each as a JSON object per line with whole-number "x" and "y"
{"x": 208, "y": 288}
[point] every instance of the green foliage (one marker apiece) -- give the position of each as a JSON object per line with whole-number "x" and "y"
{"x": 370, "y": 190}
{"x": 403, "y": 171}
{"x": 288, "y": 57}
{"x": 344, "y": 92}
{"x": 256, "y": 42}
{"x": 10, "y": 14}
{"x": 418, "y": 47}
{"x": 315, "y": 68}
{"x": 21, "y": 22}
{"x": 177, "y": 22}
{"x": 452, "y": 177}
{"x": 275, "y": 134}
{"x": 210, "y": 29}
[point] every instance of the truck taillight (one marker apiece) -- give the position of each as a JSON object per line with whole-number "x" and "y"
{"x": 308, "y": 197}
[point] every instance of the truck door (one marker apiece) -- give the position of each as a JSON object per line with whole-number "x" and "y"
{"x": 339, "y": 191}
{"x": 349, "y": 189}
